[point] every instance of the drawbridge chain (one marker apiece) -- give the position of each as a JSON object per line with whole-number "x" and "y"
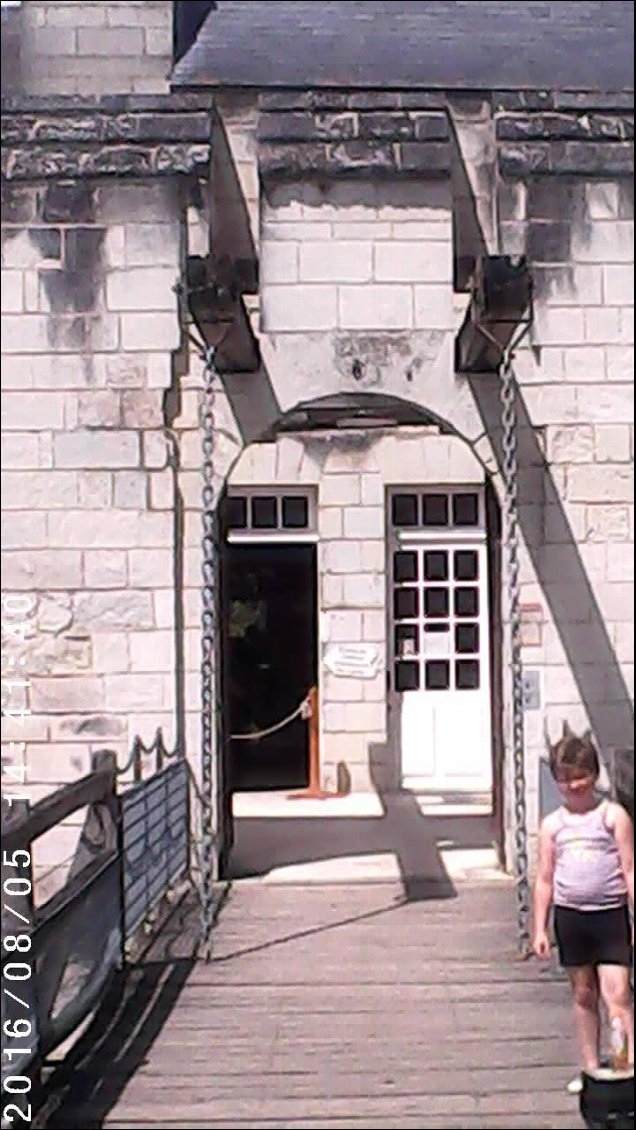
{"x": 512, "y": 545}
{"x": 208, "y": 791}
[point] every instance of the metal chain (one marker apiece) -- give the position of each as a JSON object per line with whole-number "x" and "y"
{"x": 512, "y": 543}
{"x": 208, "y": 799}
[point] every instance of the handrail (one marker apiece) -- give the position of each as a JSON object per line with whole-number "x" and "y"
{"x": 79, "y": 935}
{"x": 94, "y": 788}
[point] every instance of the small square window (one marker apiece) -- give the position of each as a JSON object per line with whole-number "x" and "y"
{"x": 467, "y": 639}
{"x": 467, "y": 674}
{"x": 466, "y": 565}
{"x": 407, "y": 639}
{"x": 406, "y": 604}
{"x": 436, "y": 602}
{"x": 295, "y": 512}
{"x": 407, "y": 676}
{"x": 466, "y": 510}
{"x": 466, "y": 601}
{"x": 405, "y": 566}
{"x": 264, "y": 512}
{"x": 437, "y": 675}
{"x": 235, "y": 512}
{"x": 436, "y": 566}
{"x": 404, "y": 510}
{"x": 434, "y": 509}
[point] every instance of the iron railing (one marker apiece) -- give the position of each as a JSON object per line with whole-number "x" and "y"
{"x": 133, "y": 848}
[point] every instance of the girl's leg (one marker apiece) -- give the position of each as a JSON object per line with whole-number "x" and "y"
{"x": 585, "y": 992}
{"x": 617, "y": 996}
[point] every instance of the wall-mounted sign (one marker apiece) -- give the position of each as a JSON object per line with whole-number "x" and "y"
{"x": 353, "y": 660}
{"x": 531, "y": 690}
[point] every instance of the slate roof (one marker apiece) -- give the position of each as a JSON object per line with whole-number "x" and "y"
{"x": 467, "y": 45}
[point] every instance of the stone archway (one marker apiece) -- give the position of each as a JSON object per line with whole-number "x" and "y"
{"x": 350, "y": 449}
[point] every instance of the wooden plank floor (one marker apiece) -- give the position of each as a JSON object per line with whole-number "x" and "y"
{"x": 340, "y": 1006}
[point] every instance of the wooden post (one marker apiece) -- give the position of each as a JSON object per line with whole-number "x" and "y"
{"x": 314, "y": 742}
{"x": 313, "y": 790}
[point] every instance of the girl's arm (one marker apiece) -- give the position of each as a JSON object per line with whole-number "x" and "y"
{"x": 624, "y": 836}
{"x": 544, "y": 884}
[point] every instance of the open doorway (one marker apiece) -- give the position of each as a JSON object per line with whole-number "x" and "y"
{"x": 269, "y": 660}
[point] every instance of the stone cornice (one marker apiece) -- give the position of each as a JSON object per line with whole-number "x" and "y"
{"x": 130, "y": 136}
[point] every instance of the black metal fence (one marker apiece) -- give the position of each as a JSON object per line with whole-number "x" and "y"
{"x": 58, "y": 958}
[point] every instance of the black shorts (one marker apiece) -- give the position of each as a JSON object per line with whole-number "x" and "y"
{"x": 593, "y": 937}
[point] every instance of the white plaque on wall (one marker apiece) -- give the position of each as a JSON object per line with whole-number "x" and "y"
{"x": 353, "y": 660}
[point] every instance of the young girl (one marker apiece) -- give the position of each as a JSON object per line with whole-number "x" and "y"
{"x": 586, "y": 873}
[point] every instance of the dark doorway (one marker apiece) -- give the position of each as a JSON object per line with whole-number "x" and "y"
{"x": 270, "y": 661}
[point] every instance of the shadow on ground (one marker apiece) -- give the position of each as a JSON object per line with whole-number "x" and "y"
{"x": 264, "y": 844}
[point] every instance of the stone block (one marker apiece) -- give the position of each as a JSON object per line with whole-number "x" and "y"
{"x": 149, "y": 570}
{"x": 340, "y": 490}
{"x": 154, "y": 332}
{"x": 602, "y": 325}
{"x": 20, "y": 451}
{"x": 41, "y": 569}
{"x": 105, "y": 569}
{"x": 98, "y": 409}
{"x": 86, "y": 529}
{"x": 619, "y": 364}
{"x": 279, "y": 262}
{"x": 23, "y": 530}
{"x": 602, "y": 201}
{"x": 293, "y": 308}
{"x": 372, "y": 490}
{"x": 609, "y": 241}
{"x": 342, "y": 627}
{"x": 158, "y": 41}
{"x": 39, "y": 490}
{"x": 612, "y": 443}
{"x": 152, "y": 651}
{"x": 376, "y": 307}
{"x": 163, "y": 602}
{"x": 557, "y": 325}
{"x": 152, "y": 245}
{"x": 110, "y": 652}
{"x": 130, "y": 490}
{"x": 434, "y": 308}
{"x": 12, "y": 291}
{"x": 373, "y": 556}
{"x": 571, "y": 444}
{"x": 400, "y": 261}
{"x": 336, "y": 261}
{"x": 161, "y": 491}
{"x": 109, "y": 610}
{"x": 583, "y": 364}
{"x": 17, "y": 371}
{"x": 330, "y": 522}
{"x": 601, "y": 483}
{"x": 612, "y": 404}
{"x": 141, "y": 409}
{"x": 135, "y": 691}
{"x": 365, "y": 591}
{"x": 332, "y": 591}
{"x": 607, "y": 523}
{"x": 142, "y": 288}
{"x": 346, "y": 230}
{"x": 108, "y": 42}
{"x": 341, "y": 557}
{"x": 31, "y": 411}
{"x": 618, "y": 284}
{"x": 65, "y": 696}
{"x": 154, "y": 531}
{"x": 364, "y": 522}
{"x": 374, "y": 626}
{"x": 95, "y": 489}
{"x": 620, "y": 564}
{"x": 97, "y": 449}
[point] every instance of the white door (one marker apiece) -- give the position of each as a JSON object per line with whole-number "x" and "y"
{"x": 440, "y": 659}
